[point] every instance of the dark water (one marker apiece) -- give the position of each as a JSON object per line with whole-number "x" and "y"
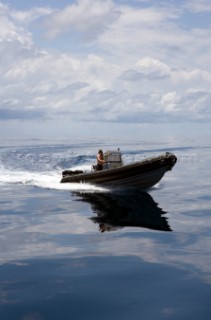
{"x": 83, "y": 252}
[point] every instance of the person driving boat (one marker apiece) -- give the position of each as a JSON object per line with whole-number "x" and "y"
{"x": 100, "y": 160}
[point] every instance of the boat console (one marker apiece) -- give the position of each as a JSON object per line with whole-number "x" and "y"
{"x": 113, "y": 159}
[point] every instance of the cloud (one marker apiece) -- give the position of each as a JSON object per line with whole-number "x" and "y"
{"x": 21, "y": 114}
{"x": 26, "y": 17}
{"x": 191, "y": 104}
{"x": 195, "y": 75}
{"x": 89, "y": 17}
{"x": 170, "y": 101}
{"x": 140, "y": 65}
{"x": 198, "y": 6}
{"x": 147, "y": 68}
{"x": 9, "y": 31}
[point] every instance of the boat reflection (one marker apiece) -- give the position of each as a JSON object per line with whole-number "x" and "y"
{"x": 118, "y": 210}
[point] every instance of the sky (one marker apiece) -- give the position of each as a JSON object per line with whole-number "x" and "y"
{"x": 104, "y": 67}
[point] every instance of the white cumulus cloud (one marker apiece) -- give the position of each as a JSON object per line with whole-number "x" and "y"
{"x": 90, "y": 17}
{"x": 141, "y": 65}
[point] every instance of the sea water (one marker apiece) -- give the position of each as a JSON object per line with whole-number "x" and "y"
{"x": 80, "y": 251}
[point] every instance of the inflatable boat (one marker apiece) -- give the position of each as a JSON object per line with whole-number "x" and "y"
{"x": 142, "y": 174}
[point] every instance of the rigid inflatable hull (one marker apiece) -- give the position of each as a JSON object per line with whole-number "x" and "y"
{"x": 143, "y": 174}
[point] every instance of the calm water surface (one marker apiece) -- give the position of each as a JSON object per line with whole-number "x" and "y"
{"x": 84, "y": 252}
